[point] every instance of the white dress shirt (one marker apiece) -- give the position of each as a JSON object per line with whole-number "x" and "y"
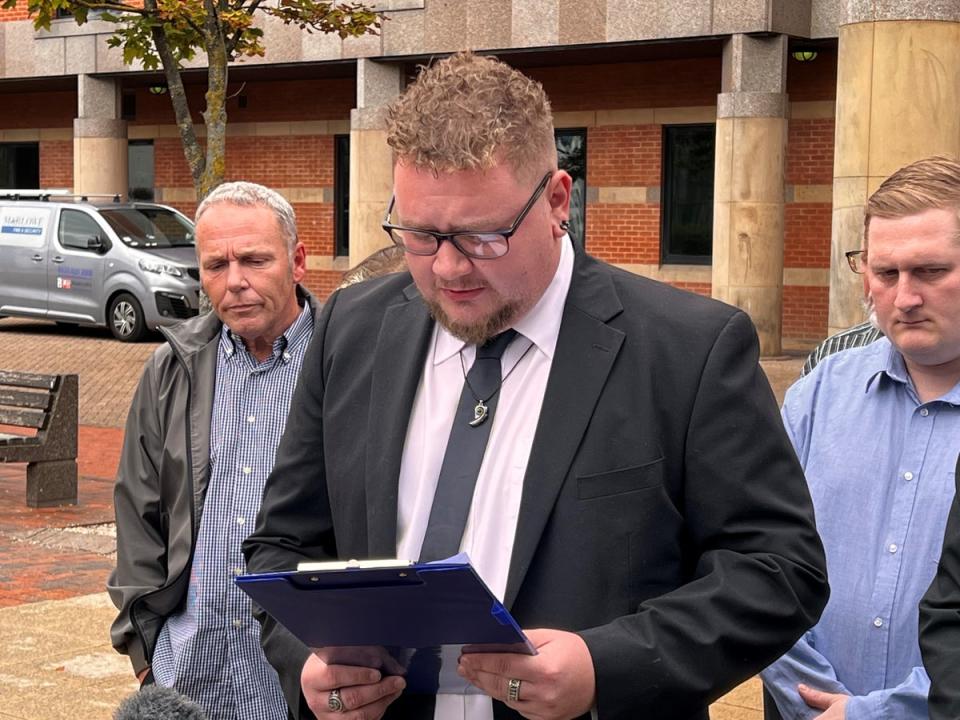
{"x": 492, "y": 522}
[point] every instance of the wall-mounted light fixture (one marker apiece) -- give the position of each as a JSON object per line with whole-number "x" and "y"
{"x": 804, "y": 55}
{"x": 158, "y": 89}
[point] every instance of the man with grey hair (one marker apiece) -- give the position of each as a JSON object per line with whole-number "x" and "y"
{"x": 200, "y": 441}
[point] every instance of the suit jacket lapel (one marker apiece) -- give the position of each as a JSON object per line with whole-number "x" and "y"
{"x": 586, "y": 350}
{"x": 398, "y": 362}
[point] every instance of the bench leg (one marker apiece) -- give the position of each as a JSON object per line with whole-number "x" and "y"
{"x": 52, "y": 483}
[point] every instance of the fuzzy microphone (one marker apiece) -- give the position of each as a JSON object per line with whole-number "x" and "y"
{"x": 158, "y": 703}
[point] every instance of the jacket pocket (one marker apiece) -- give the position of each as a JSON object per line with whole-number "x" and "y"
{"x": 624, "y": 480}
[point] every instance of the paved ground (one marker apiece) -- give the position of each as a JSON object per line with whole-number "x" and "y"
{"x": 55, "y": 658}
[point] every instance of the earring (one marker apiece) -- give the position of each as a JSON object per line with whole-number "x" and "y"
{"x": 565, "y": 225}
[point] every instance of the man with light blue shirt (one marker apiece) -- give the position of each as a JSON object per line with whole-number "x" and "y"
{"x": 876, "y": 429}
{"x": 200, "y": 441}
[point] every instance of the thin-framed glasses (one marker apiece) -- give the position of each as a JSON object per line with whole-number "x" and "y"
{"x": 857, "y": 260}
{"x": 482, "y": 245}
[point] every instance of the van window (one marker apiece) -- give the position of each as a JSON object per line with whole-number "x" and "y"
{"x": 76, "y": 228}
{"x": 149, "y": 228}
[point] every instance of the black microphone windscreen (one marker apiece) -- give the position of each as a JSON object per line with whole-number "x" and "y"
{"x": 158, "y": 703}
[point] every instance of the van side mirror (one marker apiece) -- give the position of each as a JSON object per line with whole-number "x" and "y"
{"x": 98, "y": 244}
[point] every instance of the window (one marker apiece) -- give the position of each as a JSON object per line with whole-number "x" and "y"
{"x": 686, "y": 210}
{"x": 341, "y": 195}
{"x": 572, "y": 157}
{"x": 140, "y": 169}
{"x": 20, "y": 166}
{"x": 77, "y": 229}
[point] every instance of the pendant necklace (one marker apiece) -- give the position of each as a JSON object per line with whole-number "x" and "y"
{"x": 480, "y": 410}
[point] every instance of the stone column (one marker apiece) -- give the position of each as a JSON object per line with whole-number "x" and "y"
{"x": 371, "y": 164}
{"x": 898, "y": 94}
{"x": 99, "y": 139}
{"x": 749, "y": 182}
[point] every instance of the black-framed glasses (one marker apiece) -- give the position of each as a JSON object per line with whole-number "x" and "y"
{"x": 857, "y": 260}
{"x": 472, "y": 243}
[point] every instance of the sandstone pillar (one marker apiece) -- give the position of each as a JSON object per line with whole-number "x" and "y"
{"x": 99, "y": 139}
{"x": 749, "y": 182}
{"x": 371, "y": 166}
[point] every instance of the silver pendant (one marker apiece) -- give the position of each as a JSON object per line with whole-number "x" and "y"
{"x": 479, "y": 414}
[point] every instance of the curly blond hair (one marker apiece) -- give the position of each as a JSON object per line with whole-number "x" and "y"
{"x": 470, "y": 113}
{"x": 930, "y": 183}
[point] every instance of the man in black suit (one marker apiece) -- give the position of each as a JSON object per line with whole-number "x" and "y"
{"x": 940, "y": 623}
{"x": 638, "y": 506}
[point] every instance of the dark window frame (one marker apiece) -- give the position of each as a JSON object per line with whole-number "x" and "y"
{"x": 582, "y": 132}
{"x": 151, "y": 195}
{"x": 12, "y": 149}
{"x": 667, "y": 254}
{"x": 341, "y": 195}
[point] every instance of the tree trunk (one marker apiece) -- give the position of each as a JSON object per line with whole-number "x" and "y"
{"x": 192, "y": 151}
{"x": 215, "y": 114}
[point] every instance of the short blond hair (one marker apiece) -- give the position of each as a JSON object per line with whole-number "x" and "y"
{"x": 470, "y": 113}
{"x": 929, "y": 184}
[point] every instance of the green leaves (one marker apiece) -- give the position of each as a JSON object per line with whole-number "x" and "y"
{"x": 346, "y": 19}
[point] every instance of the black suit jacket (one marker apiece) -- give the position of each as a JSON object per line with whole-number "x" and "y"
{"x": 660, "y": 480}
{"x": 940, "y": 622}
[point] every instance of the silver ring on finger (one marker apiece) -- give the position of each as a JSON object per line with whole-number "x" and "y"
{"x": 335, "y": 702}
{"x": 513, "y": 690}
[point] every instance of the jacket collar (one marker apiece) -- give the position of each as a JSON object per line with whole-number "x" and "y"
{"x": 586, "y": 350}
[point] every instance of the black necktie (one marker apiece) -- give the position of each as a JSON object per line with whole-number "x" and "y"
{"x": 464, "y": 454}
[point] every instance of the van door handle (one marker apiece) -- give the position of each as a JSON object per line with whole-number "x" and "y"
{"x": 56, "y": 259}
{"x": 37, "y": 258}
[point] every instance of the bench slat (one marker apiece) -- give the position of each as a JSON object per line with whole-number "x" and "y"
{"x": 23, "y": 418}
{"x": 24, "y": 398}
{"x": 33, "y": 380}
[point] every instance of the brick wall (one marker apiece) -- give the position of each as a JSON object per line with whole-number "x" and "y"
{"x": 805, "y": 312}
{"x": 17, "y": 12}
{"x": 56, "y": 163}
{"x": 651, "y": 84}
{"x": 286, "y": 161}
{"x": 322, "y": 282}
{"x": 272, "y": 101}
{"x": 807, "y": 225}
{"x": 30, "y": 110}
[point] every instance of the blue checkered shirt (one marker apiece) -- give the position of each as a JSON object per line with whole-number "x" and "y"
{"x": 210, "y": 651}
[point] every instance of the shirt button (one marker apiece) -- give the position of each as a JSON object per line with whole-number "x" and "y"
{"x": 241, "y": 521}
{"x": 908, "y": 475}
{"x": 286, "y": 357}
{"x": 892, "y": 547}
{"x": 247, "y": 471}
{"x": 237, "y": 623}
{"x": 924, "y": 412}
{"x": 878, "y": 622}
{"x": 251, "y": 418}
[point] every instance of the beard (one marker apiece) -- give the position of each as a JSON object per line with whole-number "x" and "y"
{"x": 476, "y": 333}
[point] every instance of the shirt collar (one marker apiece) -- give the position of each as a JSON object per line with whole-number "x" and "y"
{"x": 541, "y": 325}
{"x": 232, "y": 345}
{"x": 886, "y": 361}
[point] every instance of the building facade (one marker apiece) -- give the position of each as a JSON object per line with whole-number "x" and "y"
{"x": 723, "y": 146}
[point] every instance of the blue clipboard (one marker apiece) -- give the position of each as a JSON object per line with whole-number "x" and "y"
{"x": 411, "y": 620}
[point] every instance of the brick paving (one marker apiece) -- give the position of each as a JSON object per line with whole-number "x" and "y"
{"x": 109, "y": 370}
{"x": 55, "y": 658}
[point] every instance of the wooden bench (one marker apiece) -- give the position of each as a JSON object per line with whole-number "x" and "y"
{"x": 48, "y": 404}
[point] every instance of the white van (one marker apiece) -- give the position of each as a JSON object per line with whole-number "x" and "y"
{"x": 127, "y": 266}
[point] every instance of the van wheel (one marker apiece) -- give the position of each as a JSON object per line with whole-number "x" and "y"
{"x": 125, "y": 317}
